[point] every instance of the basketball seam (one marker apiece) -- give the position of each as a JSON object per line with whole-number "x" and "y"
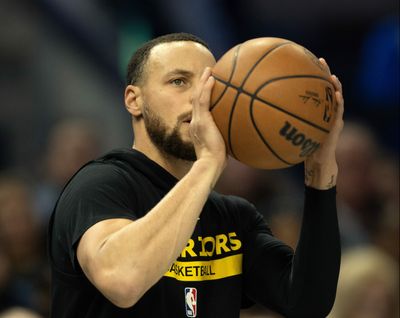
{"x": 230, "y": 122}
{"x": 259, "y": 61}
{"x": 234, "y": 104}
{"x": 230, "y": 77}
{"x": 239, "y": 91}
{"x": 253, "y": 96}
{"x": 262, "y": 137}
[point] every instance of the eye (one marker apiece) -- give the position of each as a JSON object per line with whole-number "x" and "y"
{"x": 178, "y": 82}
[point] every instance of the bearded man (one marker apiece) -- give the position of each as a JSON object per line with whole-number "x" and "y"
{"x": 140, "y": 232}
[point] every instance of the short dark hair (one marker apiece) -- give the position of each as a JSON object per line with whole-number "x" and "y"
{"x": 139, "y": 58}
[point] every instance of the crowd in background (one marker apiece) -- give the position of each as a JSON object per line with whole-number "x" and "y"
{"x": 61, "y": 89}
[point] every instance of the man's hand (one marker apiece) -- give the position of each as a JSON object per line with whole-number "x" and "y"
{"x": 321, "y": 167}
{"x": 206, "y": 137}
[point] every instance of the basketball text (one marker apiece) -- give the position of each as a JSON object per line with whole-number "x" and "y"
{"x": 298, "y": 139}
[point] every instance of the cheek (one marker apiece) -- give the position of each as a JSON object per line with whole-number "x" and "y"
{"x": 159, "y": 101}
{"x": 168, "y": 104}
{"x": 168, "y": 114}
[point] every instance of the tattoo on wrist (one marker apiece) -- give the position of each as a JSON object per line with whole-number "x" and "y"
{"x": 309, "y": 175}
{"x": 332, "y": 182}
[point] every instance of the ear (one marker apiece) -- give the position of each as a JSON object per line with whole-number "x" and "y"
{"x": 133, "y": 100}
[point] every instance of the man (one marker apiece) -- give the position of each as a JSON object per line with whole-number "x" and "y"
{"x": 140, "y": 233}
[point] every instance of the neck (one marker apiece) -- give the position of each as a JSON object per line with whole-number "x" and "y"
{"x": 177, "y": 167}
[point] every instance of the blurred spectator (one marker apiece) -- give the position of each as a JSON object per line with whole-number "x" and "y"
{"x": 24, "y": 270}
{"x": 250, "y": 181}
{"x": 385, "y": 174}
{"x": 368, "y": 191}
{"x": 387, "y": 232}
{"x": 259, "y": 187}
{"x": 8, "y": 295}
{"x": 19, "y": 312}
{"x": 283, "y": 205}
{"x": 71, "y": 143}
{"x": 285, "y": 220}
{"x": 358, "y": 202}
{"x": 368, "y": 285}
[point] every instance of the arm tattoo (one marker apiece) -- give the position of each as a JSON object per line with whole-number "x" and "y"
{"x": 309, "y": 175}
{"x": 332, "y": 182}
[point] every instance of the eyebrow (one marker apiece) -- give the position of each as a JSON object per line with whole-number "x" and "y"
{"x": 180, "y": 72}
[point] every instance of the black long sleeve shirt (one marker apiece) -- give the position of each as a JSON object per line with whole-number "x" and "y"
{"x": 231, "y": 259}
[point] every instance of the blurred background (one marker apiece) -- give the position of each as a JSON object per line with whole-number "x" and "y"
{"x": 61, "y": 91}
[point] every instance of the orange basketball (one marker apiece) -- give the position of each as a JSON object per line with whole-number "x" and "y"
{"x": 273, "y": 102}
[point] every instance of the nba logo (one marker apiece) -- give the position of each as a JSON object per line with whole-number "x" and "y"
{"x": 191, "y": 301}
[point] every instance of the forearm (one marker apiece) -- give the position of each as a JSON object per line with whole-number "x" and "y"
{"x": 316, "y": 262}
{"x": 304, "y": 285}
{"x": 141, "y": 252}
{"x": 320, "y": 175}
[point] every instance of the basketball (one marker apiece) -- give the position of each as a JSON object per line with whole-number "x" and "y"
{"x": 273, "y": 101}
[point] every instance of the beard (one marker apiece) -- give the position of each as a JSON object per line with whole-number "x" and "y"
{"x": 170, "y": 144}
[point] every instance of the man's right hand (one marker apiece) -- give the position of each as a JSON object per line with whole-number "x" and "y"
{"x": 207, "y": 139}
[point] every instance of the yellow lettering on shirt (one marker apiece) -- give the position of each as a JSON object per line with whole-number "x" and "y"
{"x": 207, "y": 249}
{"x": 206, "y": 270}
{"x": 189, "y": 249}
{"x": 235, "y": 242}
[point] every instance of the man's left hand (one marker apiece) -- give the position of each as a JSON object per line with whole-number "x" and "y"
{"x": 321, "y": 168}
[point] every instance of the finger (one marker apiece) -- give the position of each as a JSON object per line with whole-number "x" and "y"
{"x": 340, "y": 103}
{"x": 337, "y": 84}
{"x": 338, "y": 124}
{"x": 323, "y": 62}
{"x": 204, "y": 101}
{"x": 199, "y": 91}
{"x": 204, "y": 77}
{"x": 206, "y": 93}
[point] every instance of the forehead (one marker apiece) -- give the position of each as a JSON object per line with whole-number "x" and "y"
{"x": 186, "y": 55}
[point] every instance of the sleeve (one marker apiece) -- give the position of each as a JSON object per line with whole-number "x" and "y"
{"x": 98, "y": 192}
{"x": 301, "y": 283}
